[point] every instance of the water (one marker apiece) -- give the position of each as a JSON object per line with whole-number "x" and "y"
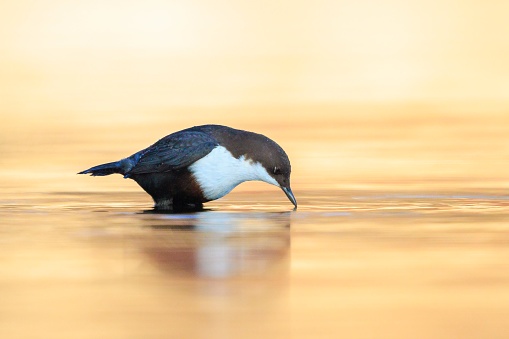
{"x": 355, "y": 264}
{"x": 396, "y": 236}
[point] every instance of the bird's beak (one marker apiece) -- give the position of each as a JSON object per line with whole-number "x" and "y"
{"x": 290, "y": 195}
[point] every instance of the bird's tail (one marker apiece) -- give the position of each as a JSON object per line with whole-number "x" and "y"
{"x": 105, "y": 169}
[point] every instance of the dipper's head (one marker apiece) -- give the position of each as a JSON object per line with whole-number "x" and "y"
{"x": 281, "y": 173}
{"x": 275, "y": 161}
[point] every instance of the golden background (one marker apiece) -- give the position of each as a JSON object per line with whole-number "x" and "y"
{"x": 361, "y": 91}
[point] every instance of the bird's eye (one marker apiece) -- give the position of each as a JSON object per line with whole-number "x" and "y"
{"x": 276, "y": 171}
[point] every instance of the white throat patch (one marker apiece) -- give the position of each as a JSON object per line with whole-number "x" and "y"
{"x": 219, "y": 172}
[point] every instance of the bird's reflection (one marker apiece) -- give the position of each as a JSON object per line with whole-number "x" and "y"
{"x": 215, "y": 244}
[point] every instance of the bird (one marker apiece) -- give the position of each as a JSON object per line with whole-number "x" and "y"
{"x": 187, "y": 168}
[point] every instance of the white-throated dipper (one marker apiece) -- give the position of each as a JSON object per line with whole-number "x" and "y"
{"x": 202, "y": 163}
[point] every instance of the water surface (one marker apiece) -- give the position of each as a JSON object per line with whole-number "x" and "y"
{"x": 347, "y": 263}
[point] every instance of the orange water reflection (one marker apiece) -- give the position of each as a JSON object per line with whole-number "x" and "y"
{"x": 350, "y": 263}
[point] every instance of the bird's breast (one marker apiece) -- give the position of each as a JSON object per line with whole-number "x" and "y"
{"x": 219, "y": 172}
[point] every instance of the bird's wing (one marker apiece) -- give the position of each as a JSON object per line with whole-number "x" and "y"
{"x": 173, "y": 152}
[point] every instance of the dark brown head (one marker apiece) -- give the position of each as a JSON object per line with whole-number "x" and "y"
{"x": 275, "y": 161}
